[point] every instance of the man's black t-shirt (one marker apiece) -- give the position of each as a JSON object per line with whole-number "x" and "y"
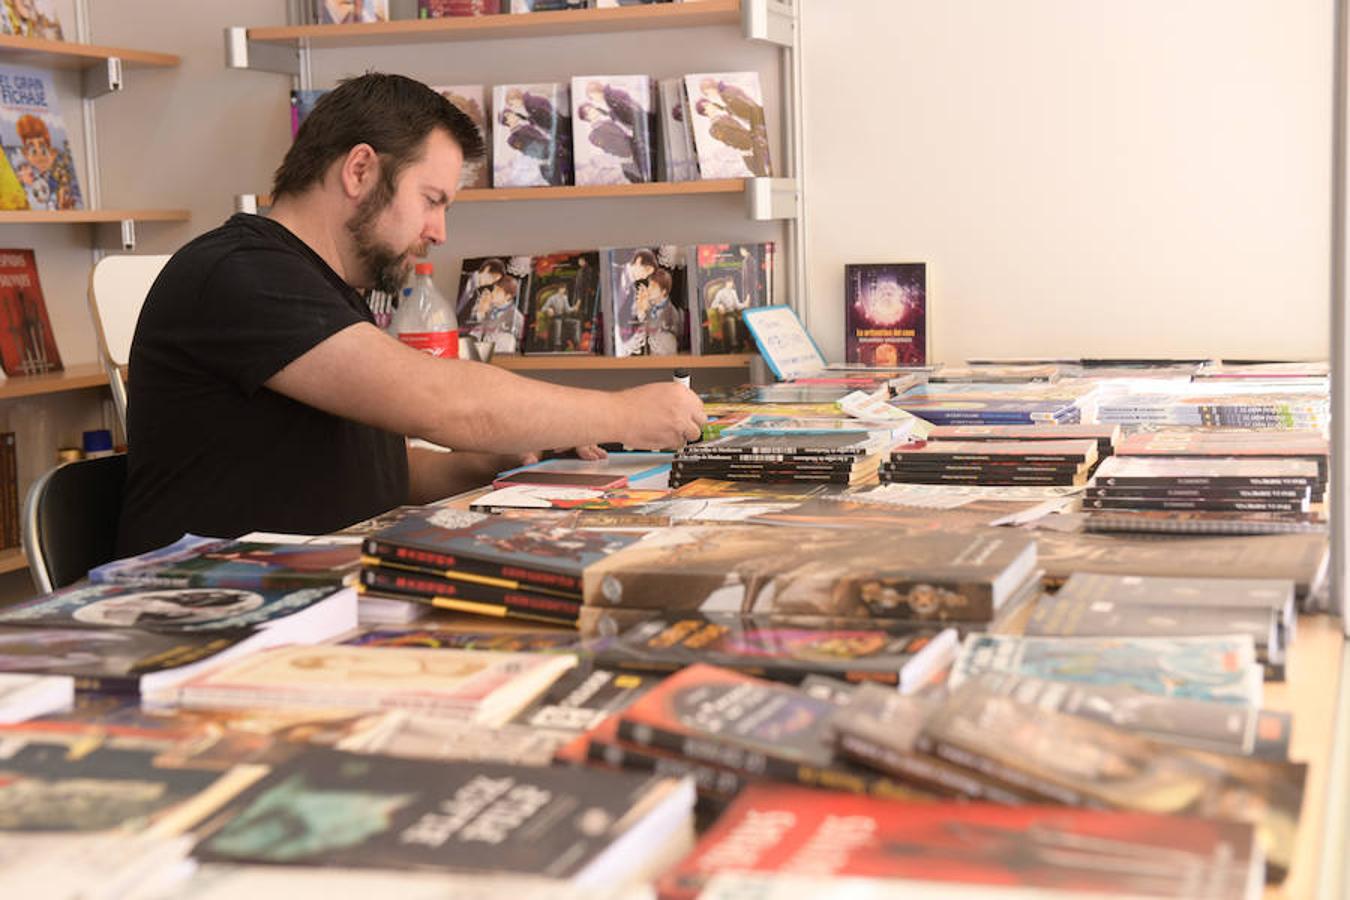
{"x": 213, "y": 451}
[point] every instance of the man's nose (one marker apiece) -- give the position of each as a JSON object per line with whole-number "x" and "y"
{"x": 435, "y": 229}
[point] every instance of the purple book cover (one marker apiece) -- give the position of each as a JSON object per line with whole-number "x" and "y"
{"x": 885, "y": 308}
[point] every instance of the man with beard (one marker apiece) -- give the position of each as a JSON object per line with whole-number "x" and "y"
{"x": 264, "y": 398}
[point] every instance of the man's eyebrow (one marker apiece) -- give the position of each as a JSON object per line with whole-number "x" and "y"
{"x": 438, "y": 195}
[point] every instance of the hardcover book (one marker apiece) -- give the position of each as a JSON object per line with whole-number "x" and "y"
{"x": 328, "y": 808}
{"x": 726, "y": 280}
{"x": 646, "y": 300}
{"x": 885, "y": 308}
{"x": 531, "y": 135}
{"x": 27, "y": 342}
{"x": 492, "y": 292}
{"x": 784, "y": 650}
{"x": 786, "y": 834}
{"x": 562, "y": 314}
{"x": 612, "y": 127}
{"x": 471, "y": 99}
{"x": 727, "y": 117}
{"x": 349, "y": 12}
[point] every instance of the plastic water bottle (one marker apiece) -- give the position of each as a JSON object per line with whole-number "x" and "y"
{"x": 425, "y": 320}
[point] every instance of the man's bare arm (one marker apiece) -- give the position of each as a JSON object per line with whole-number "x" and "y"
{"x": 361, "y": 373}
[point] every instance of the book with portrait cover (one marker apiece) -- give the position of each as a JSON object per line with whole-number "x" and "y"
{"x": 784, "y": 649}
{"x": 781, "y": 834}
{"x": 492, "y": 295}
{"x": 1078, "y": 762}
{"x": 31, "y": 18}
{"x": 531, "y": 135}
{"x": 725, "y": 280}
{"x": 885, "y": 308}
{"x": 27, "y": 342}
{"x": 471, "y": 99}
{"x": 438, "y": 9}
{"x": 727, "y": 116}
{"x": 563, "y": 308}
{"x": 612, "y": 126}
{"x": 349, "y": 12}
{"x": 35, "y": 139}
{"x": 329, "y": 808}
{"x": 645, "y": 300}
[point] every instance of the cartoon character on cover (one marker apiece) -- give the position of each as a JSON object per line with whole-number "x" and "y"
{"x": 727, "y": 127}
{"x": 556, "y": 324}
{"x": 26, "y": 17}
{"x": 533, "y": 130}
{"x": 174, "y": 606}
{"x": 36, "y": 147}
{"x": 346, "y": 12}
{"x": 631, "y": 122}
{"x": 498, "y": 321}
{"x": 613, "y": 139}
{"x": 723, "y": 305}
{"x": 661, "y": 320}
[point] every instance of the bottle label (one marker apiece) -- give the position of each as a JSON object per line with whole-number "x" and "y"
{"x": 444, "y": 344}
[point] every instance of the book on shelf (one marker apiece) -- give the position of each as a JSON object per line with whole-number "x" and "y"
{"x": 677, "y": 156}
{"x": 784, "y": 649}
{"x": 492, "y": 301}
{"x": 612, "y": 128}
{"x": 10, "y": 507}
{"x": 519, "y": 7}
{"x": 302, "y": 104}
{"x": 645, "y": 300}
{"x": 482, "y": 686}
{"x": 31, "y": 18}
{"x": 562, "y": 311}
{"x": 725, "y": 280}
{"x": 471, "y": 99}
{"x": 727, "y": 117}
{"x": 440, "y": 9}
{"x": 531, "y": 135}
{"x": 589, "y": 828}
{"x": 885, "y": 310}
{"x": 814, "y": 844}
{"x": 27, "y": 341}
{"x": 1221, "y": 669}
{"x": 349, "y": 12}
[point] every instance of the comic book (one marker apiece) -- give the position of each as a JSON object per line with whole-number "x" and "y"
{"x": 613, "y": 123}
{"x": 646, "y": 300}
{"x": 467, "y": 596}
{"x": 194, "y": 561}
{"x": 531, "y": 135}
{"x": 27, "y": 342}
{"x": 492, "y": 294}
{"x": 35, "y": 139}
{"x": 885, "y": 307}
{"x": 348, "y": 12}
{"x": 302, "y": 104}
{"x": 725, "y": 280}
{"x": 563, "y": 309}
{"x": 31, "y": 18}
{"x": 471, "y": 99}
{"x": 727, "y": 117}
{"x": 679, "y": 160}
{"x": 438, "y": 9}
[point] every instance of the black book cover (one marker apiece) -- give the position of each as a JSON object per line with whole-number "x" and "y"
{"x": 584, "y": 697}
{"x": 467, "y": 596}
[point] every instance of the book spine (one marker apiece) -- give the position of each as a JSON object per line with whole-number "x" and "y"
{"x": 926, "y": 772}
{"x": 449, "y": 565}
{"x": 1193, "y": 504}
{"x": 998, "y": 775}
{"x": 10, "y": 532}
{"x": 708, "y": 750}
{"x": 709, "y": 780}
{"x": 1107, "y": 493}
{"x": 1218, "y": 481}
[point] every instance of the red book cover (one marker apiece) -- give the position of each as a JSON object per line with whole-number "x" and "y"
{"x": 438, "y": 9}
{"x": 799, "y": 832}
{"x": 27, "y": 344}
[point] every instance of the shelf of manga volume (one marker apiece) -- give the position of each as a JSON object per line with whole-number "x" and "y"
{"x": 59, "y": 54}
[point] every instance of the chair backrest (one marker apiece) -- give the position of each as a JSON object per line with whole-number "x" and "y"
{"x": 117, "y": 289}
{"x": 70, "y": 519}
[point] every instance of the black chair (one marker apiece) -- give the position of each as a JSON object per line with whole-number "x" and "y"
{"x": 70, "y": 519}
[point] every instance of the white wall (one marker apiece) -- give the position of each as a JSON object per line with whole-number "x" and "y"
{"x": 1082, "y": 177}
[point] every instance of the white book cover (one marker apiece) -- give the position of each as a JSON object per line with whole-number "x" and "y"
{"x": 612, "y": 129}
{"x": 471, "y": 99}
{"x": 727, "y": 117}
{"x": 676, "y": 139}
{"x": 531, "y": 135}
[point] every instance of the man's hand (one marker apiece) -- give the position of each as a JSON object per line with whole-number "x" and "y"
{"x": 659, "y": 416}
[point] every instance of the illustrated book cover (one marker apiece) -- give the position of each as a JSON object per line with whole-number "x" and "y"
{"x": 726, "y": 280}
{"x": 885, "y": 313}
{"x": 646, "y": 300}
{"x": 492, "y": 292}
{"x": 531, "y": 135}
{"x": 612, "y": 126}
{"x": 471, "y": 99}
{"x": 27, "y": 342}
{"x": 727, "y": 117}
{"x": 563, "y": 309}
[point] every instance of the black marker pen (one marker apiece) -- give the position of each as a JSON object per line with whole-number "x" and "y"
{"x": 682, "y": 376}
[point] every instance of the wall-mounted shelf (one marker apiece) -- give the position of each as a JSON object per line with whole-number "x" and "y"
{"x": 71, "y": 55}
{"x": 95, "y": 216}
{"x": 72, "y": 378}
{"x": 12, "y": 560}
{"x": 765, "y": 198}
{"x": 611, "y": 363}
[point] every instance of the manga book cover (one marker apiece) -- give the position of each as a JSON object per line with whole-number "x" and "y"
{"x": 302, "y": 104}
{"x": 563, "y": 311}
{"x": 492, "y": 295}
{"x": 884, "y": 310}
{"x": 327, "y": 807}
{"x": 647, "y": 300}
{"x": 678, "y": 157}
{"x": 471, "y": 99}
{"x": 519, "y": 7}
{"x": 35, "y": 140}
{"x": 31, "y": 18}
{"x": 27, "y": 342}
{"x": 727, "y": 280}
{"x": 727, "y": 117}
{"x": 612, "y": 128}
{"x": 440, "y": 9}
{"x": 531, "y": 135}
{"x": 792, "y": 833}
{"x": 347, "y": 12}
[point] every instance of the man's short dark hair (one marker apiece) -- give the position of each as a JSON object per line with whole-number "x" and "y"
{"x": 391, "y": 113}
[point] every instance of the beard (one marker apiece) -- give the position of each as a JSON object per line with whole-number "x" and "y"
{"x": 385, "y": 268}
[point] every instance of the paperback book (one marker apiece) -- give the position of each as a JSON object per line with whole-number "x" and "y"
{"x": 727, "y": 118}
{"x": 885, "y": 308}
{"x": 645, "y": 300}
{"x": 27, "y": 341}
{"x": 612, "y": 127}
{"x": 35, "y": 140}
{"x": 726, "y": 280}
{"x": 194, "y": 561}
{"x": 471, "y": 99}
{"x": 531, "y": 135}
{"x": 492, "y": 292}
{"x": 563, "y": 310}
{"x": 349, "y": 12}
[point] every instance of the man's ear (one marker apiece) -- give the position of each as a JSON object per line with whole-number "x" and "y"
{"x": 360, "y": 168}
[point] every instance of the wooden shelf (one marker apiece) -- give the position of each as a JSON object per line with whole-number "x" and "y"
{"x": 12, "y": 560}
{"x": 73, "y": 378}
{"x": 474, "y": 28}
{"x": 584, "y": 192}
{"x": 611, "y": 363}
{"x": 41, "y": 216}
{"x": 70, "y": 55}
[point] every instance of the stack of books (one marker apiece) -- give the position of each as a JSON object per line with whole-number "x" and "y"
{"x": 786, "y": 450}
{"x": 1222, "y": 485}
{"x": 991, "y": 462}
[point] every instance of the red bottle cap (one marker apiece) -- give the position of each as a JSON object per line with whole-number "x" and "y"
{"x": 423, "y": 268}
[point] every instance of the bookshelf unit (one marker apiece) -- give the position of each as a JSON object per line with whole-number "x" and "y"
{"x": 545, "y": 363}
